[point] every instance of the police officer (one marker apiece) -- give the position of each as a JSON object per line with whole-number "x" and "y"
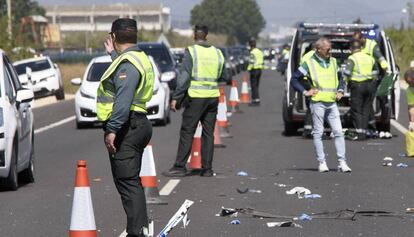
{"x": 360, "y": 69}
{"x": 327, "y": 87}
{"x": 371, "y": 48}
{"x": 201, "y": 70}
{"x": 124, "y": 89}
{"x": 255, "y": 67}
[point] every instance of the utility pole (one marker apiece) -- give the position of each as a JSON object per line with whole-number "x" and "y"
{"x": 9, "y": 19}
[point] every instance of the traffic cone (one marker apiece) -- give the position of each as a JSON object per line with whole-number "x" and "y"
{"x": 223, "y": 93}
{"x": 195, "y": 156}
{"x": 222, "y": 116}
{"x": 217, "y": 139}
{"x": 245, "y": 98}
{"x": 148, "y": 177}
{"x": 234, "y": 98}
{"x": 82, "y": 222}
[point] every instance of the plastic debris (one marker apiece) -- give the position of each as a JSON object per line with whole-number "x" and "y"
{"x": 235, "y": 222}
{"x": 409, "y": 210}
{"x": 312, "y": 196}
{"x": 402, "y": 154}
{"x": 242, "y": 191}
{"x": 402, "y": 165}
{"x": 388, "y": 158}
{"x": 242, "y": 173}
{"x": 281, "y": 185}
{"x": 386, "y": 164}
{"x": 227, "y": 212}
{"x": 179, "y": 216}
{"x": 305, "y": 217}
{"x": 283, "y": 224}
{"x": 300, "y": 191}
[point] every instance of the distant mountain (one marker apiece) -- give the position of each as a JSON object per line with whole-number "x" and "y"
{"x": 288, "y": 12}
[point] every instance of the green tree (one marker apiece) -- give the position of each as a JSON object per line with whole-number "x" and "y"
{"x": 21, "y": 8}
{"x": 240, "y": 19}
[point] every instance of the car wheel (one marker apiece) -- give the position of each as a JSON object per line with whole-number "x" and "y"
{"x": 12, "y": 180}
{"x": 60, "y": 94}
{"x": 29, "y": 172}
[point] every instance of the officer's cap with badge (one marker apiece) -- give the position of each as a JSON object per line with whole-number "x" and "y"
{"x": 124, "y": 24}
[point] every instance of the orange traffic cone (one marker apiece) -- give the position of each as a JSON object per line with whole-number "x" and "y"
{"x": 234, "y": 98}
{"x": 245, "y": 98}
{"x": 82, "y": 222}
{"x": 148, "y": 177}
{"x": 195, "y": 157}
{"x": 222, "y": 116}
{"x": 217, "y": 139}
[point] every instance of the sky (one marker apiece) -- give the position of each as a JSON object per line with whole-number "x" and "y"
{"x": 287, "y": 12}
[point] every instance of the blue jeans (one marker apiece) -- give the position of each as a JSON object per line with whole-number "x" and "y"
{"x": 322, "y": 111}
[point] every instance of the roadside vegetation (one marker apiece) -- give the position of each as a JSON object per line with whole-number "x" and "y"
{"x": 403, "y": 44}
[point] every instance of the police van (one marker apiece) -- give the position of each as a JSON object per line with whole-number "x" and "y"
{"x": 340, "y": 35}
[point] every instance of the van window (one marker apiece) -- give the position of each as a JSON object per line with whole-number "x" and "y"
{"x": 36, "y": 66}
{"x": 9, "y": 89}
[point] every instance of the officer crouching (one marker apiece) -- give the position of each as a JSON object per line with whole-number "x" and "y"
{"x": 124, "y": 89}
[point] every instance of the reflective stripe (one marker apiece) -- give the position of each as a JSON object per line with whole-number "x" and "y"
{"x": 205, "y": 79}
{"x": 204, "y": 87}
{"x": 104, "y": 99}
{"x": 139, "y": 95}
{"x": 195, "y": 64}
{"x": 313, "y": 69}
{"x": 327, "y": 90}
{"x": 219, "y": 63}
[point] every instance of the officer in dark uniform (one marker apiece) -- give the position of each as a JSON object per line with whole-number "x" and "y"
{"x": 201, "y": 70}
{"x": 124, "y": 89}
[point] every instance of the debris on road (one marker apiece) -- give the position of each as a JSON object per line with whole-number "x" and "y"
{"x": 386, "y": 164}
{"x": 402, "y": 154}
{"x": 281, "y": 185}
{"x": 387, "y": 158}
{"x": 300, "y": 191}
{"x": 180, "y": 215}
{"x": 242, "y": 173}
{"x": 305, "y": 217}
{"x": 387, "y": 161}
{"x": 312, "y": 196}
{"x": 245, "y": 190}
{"x": 235, "y": 222}
{"x": 409, "y": 210}
{"x": 97, "y": 179}
{"x": 402, "y": 165}
{"x": 283, "y": 224}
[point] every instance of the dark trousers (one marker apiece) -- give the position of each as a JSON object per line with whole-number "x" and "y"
{"x": 385, "y": 113}
{"x": 130, "y": 143}
{"x": 205, "y": 111}
{"x": 361, "y": 101}
{"x": 254, "y": 83}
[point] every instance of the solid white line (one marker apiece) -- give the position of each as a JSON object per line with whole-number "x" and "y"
{"x": 124, "y": 234}
{"x": 398, "y": 126}
{"x": 53, "y": 125}
{"x": 169, "y": 187}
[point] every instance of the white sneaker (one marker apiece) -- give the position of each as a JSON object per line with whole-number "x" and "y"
{"x": 323, "y": 167}
{"x": 388, "y": 135}
{"x": 382, "y": 134}
{"x": 343, "y": 167}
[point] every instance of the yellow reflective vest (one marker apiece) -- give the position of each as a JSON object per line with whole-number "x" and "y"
{"x": 324, "y": 79}
{"x": 363, "y": 64}
{"x": 256, "y": 60}
{"x": 369, "y": 49}
{"x": 208, "y": 63}
{"x": 410, "y": 95}
{"x": 143, "y": 93}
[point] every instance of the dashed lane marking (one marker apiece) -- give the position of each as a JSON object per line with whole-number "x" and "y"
{"x": 53, "y": 125}
{"x": 169, "y": 187}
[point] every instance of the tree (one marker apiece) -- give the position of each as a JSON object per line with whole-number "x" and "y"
{"x": 240, "y": 19}
{"x": 21, "y": 8}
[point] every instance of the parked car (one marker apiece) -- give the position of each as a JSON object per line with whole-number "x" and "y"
{"x": 43, "y": 74}
{"x": 294, "y": 108}
{"x": 163, "y": 57}
{"x": 16, "y": 127}
{"x": 85, "y": 99}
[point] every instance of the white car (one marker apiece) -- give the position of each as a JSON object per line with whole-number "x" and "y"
{"x": 16, "y": 127}
{"x": 85, "y": 100}
{"x": 45, "y": 76}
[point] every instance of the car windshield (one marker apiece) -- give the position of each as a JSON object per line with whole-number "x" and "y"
{"x": 160, "y": 55}
{"x": 36, "y": 66}
{"x": 96, "y": 71}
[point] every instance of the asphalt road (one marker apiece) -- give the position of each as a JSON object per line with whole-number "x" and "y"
{"x": 258, "y": 148}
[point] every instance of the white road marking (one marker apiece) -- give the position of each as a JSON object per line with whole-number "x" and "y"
{"x": 169, "y": 187}
{"x": 398, "y": 126}
{"x": 53, "y": 125}
{"x": 124, "y": 234}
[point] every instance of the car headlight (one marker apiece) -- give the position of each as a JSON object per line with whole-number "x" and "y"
{"x": 86, "y": 95}
{"x": 168, "y": 76}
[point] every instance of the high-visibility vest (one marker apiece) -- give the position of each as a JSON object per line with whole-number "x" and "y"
{"x": 363, "y": 64}
{"x": 369, "y": 49}
{"x": 410, "y": 95}
{"x": 256, "y": 60}
{"x": 143, "y": 93}
{"x": 208, "y": 63}
{"x": 324, "y": 79}
{"x": 306, "y": 57}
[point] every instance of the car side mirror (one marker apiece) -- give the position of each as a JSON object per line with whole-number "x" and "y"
{"x": 76, "y": 81}
{"x": 56, "y": 66}
{"x": 29, "y": 73}
{"x": 24, "y": 96}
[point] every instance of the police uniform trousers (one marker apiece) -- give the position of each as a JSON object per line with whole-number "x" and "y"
{"x": 255, "y": 75}
{"x": 130, "y": 143}
{"x": 205, "y": 111}
{"x": 361, "y": 101}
